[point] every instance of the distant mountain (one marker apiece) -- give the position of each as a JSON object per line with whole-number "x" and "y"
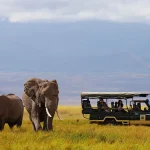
{"x": 110, "y": 63}
{"x": 75, "y": 47}
{"x": 117, "y": 62}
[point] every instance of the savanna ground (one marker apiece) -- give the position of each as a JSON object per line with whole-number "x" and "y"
{"x": 75, "y": 133}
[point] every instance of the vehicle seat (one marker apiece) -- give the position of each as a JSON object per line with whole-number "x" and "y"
{"x": 86, "y": 107}
{"x": 86, "y": 103}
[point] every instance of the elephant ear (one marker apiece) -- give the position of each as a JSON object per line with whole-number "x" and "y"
{"x": 31, "y": 87}
{"x": 54, "y": 87}
{"x": 56, "y": 83}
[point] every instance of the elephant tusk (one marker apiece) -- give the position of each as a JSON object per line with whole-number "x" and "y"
{"x": 58, "y": 115}
{"x": 48, "y": 112}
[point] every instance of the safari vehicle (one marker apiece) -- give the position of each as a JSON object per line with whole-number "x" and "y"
{"x": 131, "y": 114}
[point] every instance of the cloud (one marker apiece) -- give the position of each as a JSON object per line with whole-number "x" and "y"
{"x": 75, "y": 10}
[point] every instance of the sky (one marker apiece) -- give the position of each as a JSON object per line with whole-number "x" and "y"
{"x": 98, "y": 45}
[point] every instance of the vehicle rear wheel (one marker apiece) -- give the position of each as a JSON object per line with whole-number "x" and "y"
{"x": 110, "y": 122}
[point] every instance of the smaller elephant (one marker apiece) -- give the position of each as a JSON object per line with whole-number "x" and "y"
{"x": 11, "y": 111}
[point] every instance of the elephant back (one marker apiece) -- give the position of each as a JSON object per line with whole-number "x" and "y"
{"x": 16, "y": 105}
{"x": 15, "y": 100}
{"x": 13, "y": 97}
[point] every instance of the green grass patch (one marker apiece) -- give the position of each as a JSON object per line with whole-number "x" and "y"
{"x": 75, "y": 133}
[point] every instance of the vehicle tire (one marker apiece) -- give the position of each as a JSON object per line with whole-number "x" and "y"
{"x": 110, "y": 122}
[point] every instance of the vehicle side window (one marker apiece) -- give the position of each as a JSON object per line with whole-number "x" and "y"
{"x": 138, "y": 106}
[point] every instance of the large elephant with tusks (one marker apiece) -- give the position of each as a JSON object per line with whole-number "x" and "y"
{"x": 40, "y": 99}
{"x": 11, "y": 111}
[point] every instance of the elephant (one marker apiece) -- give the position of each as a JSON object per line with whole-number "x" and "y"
{"x": 11, "y": 111}
{"x": 40, "y": 98}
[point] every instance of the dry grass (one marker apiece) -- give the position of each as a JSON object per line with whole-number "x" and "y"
{"x": 75, "y": 133}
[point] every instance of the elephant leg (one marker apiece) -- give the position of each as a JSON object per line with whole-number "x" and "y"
{"x": 19, "y": 122}
{"x": 45, "y": 122}
{"x": 2, "y": 123}
{"x": 11, "y": 125}
{"x": 35, "y": 117}
{"x": 32, "y": 123}
{"x": 36, "y": 121}
{"x": 50, "y": 122}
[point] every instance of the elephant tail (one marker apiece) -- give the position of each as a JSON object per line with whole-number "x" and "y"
{"x": 58, "y": 115}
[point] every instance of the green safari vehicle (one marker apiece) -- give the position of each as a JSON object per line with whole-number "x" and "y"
{"x": 135, "y": 110}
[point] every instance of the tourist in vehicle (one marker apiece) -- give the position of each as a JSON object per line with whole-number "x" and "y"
{"x": 134, "y": 107}
{"x": 113, "y": 106}
{"x": 120, "y": 105}
{"x": 139, "y": 106}
{"x": 102, "y": 105}
{"x": 148, "y": 103}
{"x": 116, "y": 106}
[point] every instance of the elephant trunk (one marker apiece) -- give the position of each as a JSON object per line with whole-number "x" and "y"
{"x": 51, "y": 107}
{"x": 46, "y": 107}
{"x": 50, "y": 114}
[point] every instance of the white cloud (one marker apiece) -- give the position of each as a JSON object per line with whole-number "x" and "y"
{"x": 75, "y": 10}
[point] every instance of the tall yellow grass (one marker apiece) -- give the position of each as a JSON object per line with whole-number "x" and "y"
{"x": 75, "y": 133}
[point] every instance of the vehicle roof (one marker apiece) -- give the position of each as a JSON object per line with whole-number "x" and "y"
{"x": 140, "y": 100}
{"x": 113, "y": 95}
